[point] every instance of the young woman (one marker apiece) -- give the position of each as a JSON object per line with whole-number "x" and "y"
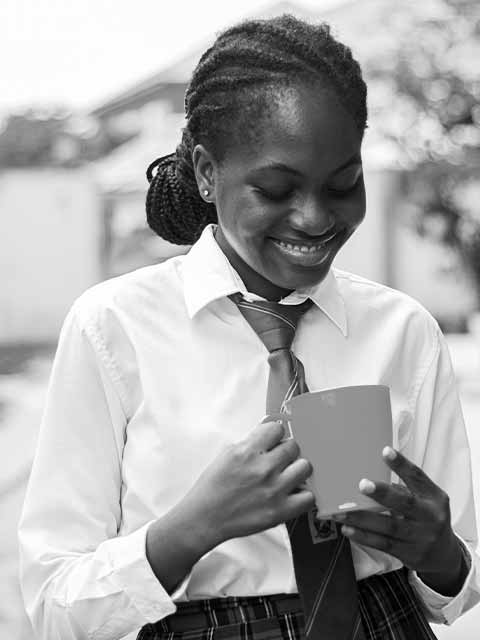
{"x": 160, "y": 496}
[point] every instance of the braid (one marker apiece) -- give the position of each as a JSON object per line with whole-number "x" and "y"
{"x": 235, "y": 83}
{"x": 173, "y": 188}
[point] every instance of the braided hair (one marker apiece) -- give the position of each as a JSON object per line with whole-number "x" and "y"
{"x": 231, "y": 91}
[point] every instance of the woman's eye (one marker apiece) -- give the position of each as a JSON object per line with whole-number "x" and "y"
{"x": 347, "y": 183}
{"x": 343, "y": 191}
{"x": 274, "y": 197}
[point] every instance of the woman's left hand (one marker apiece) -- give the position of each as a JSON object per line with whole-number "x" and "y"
{"x": 418, "y": 529}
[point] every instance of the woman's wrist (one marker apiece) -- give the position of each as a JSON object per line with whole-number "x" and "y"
{"x": 449, "y": 580}
{"x": 175, "y": 542}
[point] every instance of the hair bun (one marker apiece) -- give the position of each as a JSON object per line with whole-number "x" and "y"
{"x": 175, "y": 210}
{"x": 156, "y": 163}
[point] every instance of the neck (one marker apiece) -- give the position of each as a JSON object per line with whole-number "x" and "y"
{"x": 253, "y": 281}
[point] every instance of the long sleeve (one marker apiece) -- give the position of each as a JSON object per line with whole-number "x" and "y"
{"x": 79, "y": 578}
{"x": 439, "y": 444}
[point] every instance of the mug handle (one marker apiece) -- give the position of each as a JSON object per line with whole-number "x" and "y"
{"x": 285, "y": 418}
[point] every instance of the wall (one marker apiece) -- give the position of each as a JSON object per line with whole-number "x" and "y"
{"x": 368, "y": 251}
{"x": 432, "y": 274}
{"x": 51, "y": 231}
{"x": 385, "y": 248}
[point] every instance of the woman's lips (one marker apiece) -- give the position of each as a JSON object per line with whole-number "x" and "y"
{"x": 308, "y": 254}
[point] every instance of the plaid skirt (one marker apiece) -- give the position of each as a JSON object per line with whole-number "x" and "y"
{"x": 389, "y": 608}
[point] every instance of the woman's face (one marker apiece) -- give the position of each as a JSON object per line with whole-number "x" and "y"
{"x": 288, "y": 203}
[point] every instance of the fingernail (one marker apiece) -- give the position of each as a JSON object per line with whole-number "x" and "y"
{"x": 347, "y": 531}
{"x": 389, "y": 453}
{"x": 366, "y": 486}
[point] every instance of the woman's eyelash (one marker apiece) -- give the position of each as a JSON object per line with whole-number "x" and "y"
{"x": 341, "y": 192}
{"x": 273, "y": 196}
{"x": 283, "y": 196}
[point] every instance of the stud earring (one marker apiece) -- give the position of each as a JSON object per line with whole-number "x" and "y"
{"x": 206, "y": 192}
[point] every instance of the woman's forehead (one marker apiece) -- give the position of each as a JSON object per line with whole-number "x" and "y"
{"x": 309, "y": 112}
{"x": 304, "y": 127}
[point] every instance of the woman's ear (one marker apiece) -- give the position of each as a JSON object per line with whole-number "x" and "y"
{"x": 204, "y": 168}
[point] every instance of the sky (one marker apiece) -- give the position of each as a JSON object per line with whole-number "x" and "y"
{"x": 77, "y": 53}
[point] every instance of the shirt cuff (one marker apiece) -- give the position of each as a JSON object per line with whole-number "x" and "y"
{"x": 443, "y": 609}
{"x": 135, "y": 577}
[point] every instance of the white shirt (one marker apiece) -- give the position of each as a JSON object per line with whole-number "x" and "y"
{"x": 149, "y": 384}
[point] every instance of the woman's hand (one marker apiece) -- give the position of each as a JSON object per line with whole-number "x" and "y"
{"x": 251, "y": 486}
{"x": 418, "y": 532}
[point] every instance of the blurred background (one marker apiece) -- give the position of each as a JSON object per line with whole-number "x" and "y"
{"x": 93, "y": 92}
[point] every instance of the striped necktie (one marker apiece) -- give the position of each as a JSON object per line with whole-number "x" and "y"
{"x": 322, "y": 556}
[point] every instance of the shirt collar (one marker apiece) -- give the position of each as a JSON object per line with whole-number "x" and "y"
{"x": 208, "y": 276}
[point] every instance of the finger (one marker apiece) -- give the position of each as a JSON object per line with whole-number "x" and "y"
{"x": 414, "y": 477}
{"x": 395, "y": 497}
{"x": 399, "y": 529}
{"x": 293, "y": 476}
{"x": 397, "y": 548}
{"x": 284, "y": 454}
{"x": 266, "y": 435}
{"x": 298, "y": 503}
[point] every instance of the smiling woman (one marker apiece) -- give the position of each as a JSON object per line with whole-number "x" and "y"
{"x": 183, "y": 512}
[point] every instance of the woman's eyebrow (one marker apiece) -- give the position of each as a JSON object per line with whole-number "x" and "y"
{"x": 280, "y": 166}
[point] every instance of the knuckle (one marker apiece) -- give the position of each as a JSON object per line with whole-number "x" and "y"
{"x": 393, "y": 527}
{"x": 278, "y": 429}
{"x": 306, "y": 503}
{"x": 263, "y": 471}
{"x": 269, "y": 497}
{"x": 417, "y": 474}
{"x": 289, "y": 452}
{"x": 293, "y": 448}
{"x": 236, "y": 453}
{"x": 306, "y": 467}
{"x": 270, "y": 514}
{"x": 309, "y": 500}
{"x": 441, "y": 521}
{"x": 409, "y": 502}
{"x": 240, "y": 449}
{"x": 444, "y": 500}
{"x": 258, "y": 469}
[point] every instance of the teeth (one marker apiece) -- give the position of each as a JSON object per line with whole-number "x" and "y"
{"x": 301, "y": 248}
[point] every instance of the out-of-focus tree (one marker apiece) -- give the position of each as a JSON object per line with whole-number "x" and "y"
{"x": 431, "y": 112}
{"x": 54, "y": 137}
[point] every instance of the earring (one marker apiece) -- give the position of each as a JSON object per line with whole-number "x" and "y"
{"x": 206, "y": 192}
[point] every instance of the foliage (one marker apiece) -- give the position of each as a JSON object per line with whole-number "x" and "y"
{"x": 433, "y": 118}
{"x": 56, "y": 137}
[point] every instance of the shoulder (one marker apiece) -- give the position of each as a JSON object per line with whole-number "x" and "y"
{"x": 133, "y": 295}
{"x": 377, "y": 307}
{"x": 357, "y": 290}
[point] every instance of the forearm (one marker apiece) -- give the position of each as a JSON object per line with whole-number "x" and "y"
{"x": 175, "y": 542}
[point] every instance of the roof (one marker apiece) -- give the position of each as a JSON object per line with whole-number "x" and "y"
{"x": 179, "y": 73}
{"x": 358, "y": 23}
{"x": 372, "y": 28}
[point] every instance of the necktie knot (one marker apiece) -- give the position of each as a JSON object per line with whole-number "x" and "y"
{"x": 274, "y": 323}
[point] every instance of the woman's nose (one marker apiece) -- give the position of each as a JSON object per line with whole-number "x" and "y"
{"x": 312, "y": 218}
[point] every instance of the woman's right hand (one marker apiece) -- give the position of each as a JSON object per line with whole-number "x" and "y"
{"x": 251, "y": 486}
